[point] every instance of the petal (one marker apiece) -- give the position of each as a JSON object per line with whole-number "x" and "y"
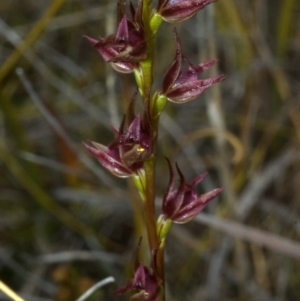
{"x": 189, "y": 91}
{"x": 173, "y": 197}
{"x": 133, "y": 134}
{"x": 122, "y": 32}
{"x": 213, "y": 80}
{"x": 198, "y": 179}
{"x": 174, "y": 200}
{"x": 167, "y": 196}
{"x": 205, "y": 66}
{"x": 186, "y": 76}
{"x": 118, "y": 54}
{"x": 207, "y": 197}
{"x": 174, "y": 69}
{"x": 152, "y": 287}
{"x": 101, "y": 152}
{"x": 190, "y": 197}
{"x": 177, "y": 11}
{"x": 171, "y": 181}
{"x": 129, "y": 53}
{"x": 104, "y": 47}
{"x": 139, "y": 280}
{"x": 107, "y": 53}
{"x": 191, "y": 74}
{"x": 130, "y": 114}
{"x": 189, "y": 212}
{"x": 123, "y": 67}
{"x": 173, "y": 205}
{"x": 91, "y": 40}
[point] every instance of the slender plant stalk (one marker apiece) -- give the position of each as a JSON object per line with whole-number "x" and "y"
{"x": 150, "y": 204}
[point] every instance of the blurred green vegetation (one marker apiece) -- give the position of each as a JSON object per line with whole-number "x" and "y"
{"x": 65, "y": 223}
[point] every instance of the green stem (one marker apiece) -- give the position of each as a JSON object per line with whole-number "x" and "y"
{"x": 147, "y": 76}
{"x": 147, "y": 64}
{"x": 146, "y": 68}
{"x": 150, "y": 204}
{"x": 145, "y": 85}
{"x": 160, "y": 264}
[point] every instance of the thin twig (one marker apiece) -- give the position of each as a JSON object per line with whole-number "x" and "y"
{"x": 262, "y": 238}
{"x": 96, "y": 287}
{"x": 52, "y": 164}
{"x": 9, "y": 292}
{"x": 79, "y": 255}
{"x": 253, "y": 191}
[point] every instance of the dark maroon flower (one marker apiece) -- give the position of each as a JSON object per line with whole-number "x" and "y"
{"x": 184, "y": 86}
{"x": 125, "y": 49}
{"x": 182, "y": 204}
{"x": 130, "y": 149}
{"x": 145, "y": 284}
{"x": 175, "y": 11}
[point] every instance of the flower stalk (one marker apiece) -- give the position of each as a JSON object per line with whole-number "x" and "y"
{"x": 150, "y": 204}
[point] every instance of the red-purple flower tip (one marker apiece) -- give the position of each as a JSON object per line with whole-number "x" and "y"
{"x": 175, "y": 11}
{"x": 125, "y": 49}
{"x": 181, "y": 86}
{"x": 182, "y": 204}
{"x": 130, "y": 149}
{"x": 145, "y": 284}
